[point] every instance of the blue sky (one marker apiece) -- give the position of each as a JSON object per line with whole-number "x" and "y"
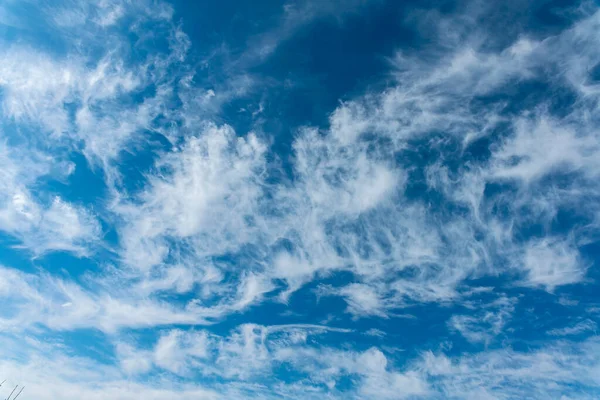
{"x": 320, "y": 199}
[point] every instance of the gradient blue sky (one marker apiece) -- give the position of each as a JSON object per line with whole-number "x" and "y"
{"x": 320, "y": 199}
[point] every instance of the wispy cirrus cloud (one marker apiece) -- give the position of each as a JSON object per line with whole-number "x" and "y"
{"x": 578, "y": 328}
{"x": 424, "y": 194}
{"x": 557, "y": 368}
{"x": 483, "y": 326}
{"x": 41, "y": 224}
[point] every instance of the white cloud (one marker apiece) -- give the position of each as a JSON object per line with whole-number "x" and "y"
{"x": 567, "y": 302}
{"x": 329, "y": 169}
{"x": 40, "y": 225}
{"x": 345, "y": 208}
{"x": 294, "y": 16}
{"x": 375, "y": 332}
{"x": 578, "y": 328}
{"x": 363, "y": 300}
{"x": 65, "y": 305}
{"x": 551, "y": 263}
{"x": 388, "y": 385}
{"x": 29, "y": 94}
{"x": 86, "y": 100}
{"x": 213, "y": 188}
{"x": 542, "y": 147}
{"x": 371, "y": 366}
{"x": 210, "y": 232}
{"x": 133, "y": 361}
{"x": 49, "y": 373}
{"x": 174, "y": 348}
{"x": 249, "y": 352}
{"x": 557, "y": 368}
{"x": 485, "y": 325}
{"x": 549, "y": 372}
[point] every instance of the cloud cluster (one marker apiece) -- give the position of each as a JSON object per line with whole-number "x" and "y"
{"x": 236, "y": 366}
{"x": 450, "y": 175}
{"x": 40, "y": 223}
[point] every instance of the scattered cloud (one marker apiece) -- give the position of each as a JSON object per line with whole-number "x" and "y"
{"x": 455, "y": 187}
{"x": 549, "y": 264}
{"x": 484, "y": 326}
{"x": 578, "y": 328}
